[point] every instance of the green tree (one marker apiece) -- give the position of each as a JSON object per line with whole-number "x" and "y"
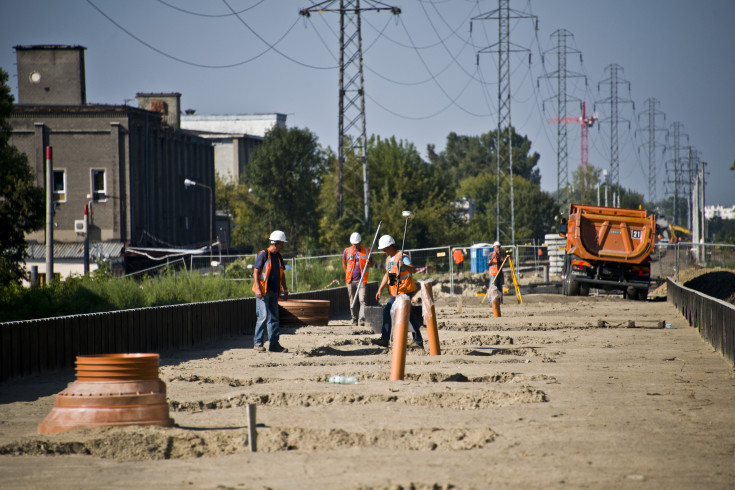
{"x": 399, "y": 180}
{"x": 534, "y": 209}
{"x": 466, "y": 156}
{"x": 284, "y": 174}
{"x": 21, "y": 201}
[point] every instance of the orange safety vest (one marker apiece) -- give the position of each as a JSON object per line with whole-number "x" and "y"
{"x": 405, "y": 283}
{"x": 458, "y": 256}
{"x": 494, "y": 263}
{"x": 353, "y": 257}
{"x": 265, "y": 272}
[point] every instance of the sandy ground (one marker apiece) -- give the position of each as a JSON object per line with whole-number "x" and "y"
{"x": 556, "y": 393}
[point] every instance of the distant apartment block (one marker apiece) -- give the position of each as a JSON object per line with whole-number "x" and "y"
{"x": 234, "y": 136}
{"x": 721, "y": 211}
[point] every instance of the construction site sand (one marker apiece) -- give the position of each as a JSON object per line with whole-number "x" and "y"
{"x": 557, "y": 392}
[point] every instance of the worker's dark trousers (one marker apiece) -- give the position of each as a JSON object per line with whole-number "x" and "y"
{"x": 385, "y": 334}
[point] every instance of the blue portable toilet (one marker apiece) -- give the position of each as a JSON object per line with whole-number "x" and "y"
{"x": 479, "y": 253}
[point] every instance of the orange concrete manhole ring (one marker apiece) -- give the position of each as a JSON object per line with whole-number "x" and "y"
{"x": 111, "y": 390}
{"x": 299, "y": 312}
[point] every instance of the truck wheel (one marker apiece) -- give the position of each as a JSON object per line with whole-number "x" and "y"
{"x": 573, "y": 286}
{"x": 642, "y": 294}
{"x": 566, "y": 275}
{"x": 584, "y": 289}
{"x": 632, "y": 293}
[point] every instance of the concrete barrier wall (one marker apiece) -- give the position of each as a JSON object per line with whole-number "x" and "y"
{"x": 36, "y": 346}
{"x": 715, "y": 319}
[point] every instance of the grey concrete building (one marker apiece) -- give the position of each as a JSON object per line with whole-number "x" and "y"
{"x": 127, "y": 164}
{"x": 234, "y": 136}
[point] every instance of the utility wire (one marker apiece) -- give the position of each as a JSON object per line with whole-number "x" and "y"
{"x": 181, "y": 60}
{"x": 273, "y": 46}
{"x": 198, "y": 14}
{"x": 426, "y": 67}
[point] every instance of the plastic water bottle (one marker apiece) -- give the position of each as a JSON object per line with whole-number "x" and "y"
{"x": 343, "y": 380}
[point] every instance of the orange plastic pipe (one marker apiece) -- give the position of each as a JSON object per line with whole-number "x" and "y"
{"x": 427, "y": 301}
{"x": 496, "y": 307}
{"x": 400, "y": 337}
{"x": 111, "y": 390}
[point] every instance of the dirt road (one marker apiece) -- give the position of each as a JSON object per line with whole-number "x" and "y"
{"x": 556, "y": 393}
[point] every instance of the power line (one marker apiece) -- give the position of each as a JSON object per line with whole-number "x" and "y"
{"x": 198, "y": 14}
{"x": 187, "y": 62}
{"x": 273, "y": 46}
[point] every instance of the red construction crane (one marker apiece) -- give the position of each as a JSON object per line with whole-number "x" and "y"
{"x": 585, "y": 122}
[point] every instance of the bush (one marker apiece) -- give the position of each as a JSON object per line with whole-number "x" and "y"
{"x": 91, "y": 294}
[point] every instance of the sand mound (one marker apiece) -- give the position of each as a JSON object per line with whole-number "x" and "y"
{"x": 717, "y": 282}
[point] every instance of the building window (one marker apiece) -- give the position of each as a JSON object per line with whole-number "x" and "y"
{"x": 99, "y": 185}
{"x": 60, "y": 185}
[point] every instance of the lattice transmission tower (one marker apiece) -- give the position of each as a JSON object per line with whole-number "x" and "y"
{"x": 352, "y": 138}
{"x": 561, "y": 74}
{"x": 652, "y": 130}
{"x": 505, "y": 228}
{"x": 675, "y": 165}
{"x": 614, "y": 101}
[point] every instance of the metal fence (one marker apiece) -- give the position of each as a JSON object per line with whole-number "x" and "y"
{"x": 309, "y": 273}
{"x": 670, "y": 258}
{"x": 715, "y": 319}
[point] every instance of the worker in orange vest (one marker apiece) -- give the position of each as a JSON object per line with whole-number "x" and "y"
{"x": 458, "y": 259}
{"x": 268, "y": 281}
{"x": 354, "y": 262}
{"x": 494, "y": 263}
{"x": 399, "y": 279}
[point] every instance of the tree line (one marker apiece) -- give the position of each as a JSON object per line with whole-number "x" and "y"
{"x": 291, "y": 183}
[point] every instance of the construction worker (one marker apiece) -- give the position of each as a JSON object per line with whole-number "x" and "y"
{"x": 458, "y": 259}
{"x": 399, "y": 279}
{"x": 268, "y": 282}
{"x": 494, "y": 262}
{"x": 354, "y": 262}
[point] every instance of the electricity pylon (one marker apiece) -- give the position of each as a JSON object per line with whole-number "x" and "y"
{"x": 614, "y": 119}
{"x": 651, "y": 130}
{"x": 674, "y": 165}
{"x": 503, "y": 48}
{"x": 561, "y": 74}
{"x": 352, "y": 138}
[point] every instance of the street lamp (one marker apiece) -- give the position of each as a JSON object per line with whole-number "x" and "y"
{"x": 188, "y": 183}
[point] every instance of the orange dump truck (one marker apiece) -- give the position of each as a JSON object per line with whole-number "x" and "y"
{"x": 607, "y": 248}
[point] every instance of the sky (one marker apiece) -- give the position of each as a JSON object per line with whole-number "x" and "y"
{"x": 424, "y": 74}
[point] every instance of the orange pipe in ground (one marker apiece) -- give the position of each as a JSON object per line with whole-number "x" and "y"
{"x": 400, "y": 337}
{"x": 427, "y": 302}
{"x": 111, "y": 390}
{"x": 496, "y": 308}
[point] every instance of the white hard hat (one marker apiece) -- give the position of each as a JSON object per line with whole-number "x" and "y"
{"x": 385, "y": 242}
{"x": 496, "y": 244}
{"x": 355, "y": 238}
{"x": 278, "y": 236}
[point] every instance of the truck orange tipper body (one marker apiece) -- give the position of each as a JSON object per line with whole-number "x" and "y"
{"x": 608, "y": 248}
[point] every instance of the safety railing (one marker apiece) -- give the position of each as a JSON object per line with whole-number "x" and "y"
{"x": 713, "y": 318}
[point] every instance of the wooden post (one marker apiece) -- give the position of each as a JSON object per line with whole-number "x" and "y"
{"x": 427, "y": 299}
{"x": 400, "y": 336}
{"x": 252, "y": 434}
